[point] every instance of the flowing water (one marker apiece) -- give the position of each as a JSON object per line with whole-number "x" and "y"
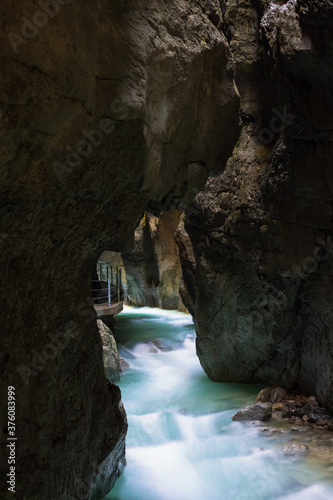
{"x": 182, "y": 443}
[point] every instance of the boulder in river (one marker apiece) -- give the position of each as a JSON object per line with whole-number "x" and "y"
{"x": 271, "y": 394}
{"x": 264, "y": 395}
{"x": 314, "y": 418}
{"x": 160, "y": 344}
{"x": 123, "y": 364}
{"x": 296, "y": 449}
{"x": 301, "y": 428}
{"x": 278, "y": 394}
{"x": 260, "y": 411}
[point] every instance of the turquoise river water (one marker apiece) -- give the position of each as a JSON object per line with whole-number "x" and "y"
{"x": 182, "y": 443}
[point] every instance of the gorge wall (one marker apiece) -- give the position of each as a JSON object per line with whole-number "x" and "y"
{"x": 152, "y": 265}
{"x": 259, "y": 281}
{"x": 106, "y": 112}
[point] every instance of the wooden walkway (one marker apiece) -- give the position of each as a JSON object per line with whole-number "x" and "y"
{"x": 106, "y": 310}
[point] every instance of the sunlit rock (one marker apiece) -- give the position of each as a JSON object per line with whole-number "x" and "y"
{"x": 110, "y": 353}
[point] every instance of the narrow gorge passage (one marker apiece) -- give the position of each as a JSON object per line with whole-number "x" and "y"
{"x": 182, "y": 443}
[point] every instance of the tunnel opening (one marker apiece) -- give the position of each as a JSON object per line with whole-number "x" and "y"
{"x": 148, "y": 273}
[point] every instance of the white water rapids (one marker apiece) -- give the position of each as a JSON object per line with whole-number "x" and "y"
{"x": 182, "y": 443}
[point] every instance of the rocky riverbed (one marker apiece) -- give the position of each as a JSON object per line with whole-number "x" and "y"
{"x": 277, "y": 405}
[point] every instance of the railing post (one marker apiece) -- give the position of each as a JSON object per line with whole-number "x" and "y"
{"x": 109, "y": 291}
{"x": 119, "y": 285}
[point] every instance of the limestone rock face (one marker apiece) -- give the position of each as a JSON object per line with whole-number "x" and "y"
{"x": 107, "y": 110}
{"x": 110, "y": 353}
{"x": 262, "y": 292}
{"x": 152, "y": 265}
{"x": 187, "y": 280}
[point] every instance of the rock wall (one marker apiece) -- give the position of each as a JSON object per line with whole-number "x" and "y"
{"x": 106, "y": 112}
{"x": 110, "y": 353}
{"x": 152, "y": 265}
{"x": 260, "y": 280}
{"x": 151, "y": 270}
{"x": 111, "y": 259}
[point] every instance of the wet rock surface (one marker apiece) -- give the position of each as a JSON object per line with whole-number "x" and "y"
{"x": 296, "y": 449}
{"x": 295, "y": 436}
{"x": 152, "y": 265}
{"x": 272, "y": 394}
{"x": 111, "y": 360}
{"x": 160, "y": 345}
{"x": 260, "y": 281}
{"x": 260, "y": 411}
{"x": 124, "y": 365}
{"x": 301, "y": 412}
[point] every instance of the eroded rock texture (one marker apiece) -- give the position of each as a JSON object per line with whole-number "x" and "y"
{"x": 261, "y": 232}
{"x": 110, "y": 352}
{"x": 136, "y": 104}
{"x": 152, "y": 265}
